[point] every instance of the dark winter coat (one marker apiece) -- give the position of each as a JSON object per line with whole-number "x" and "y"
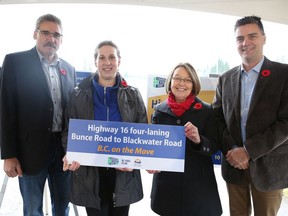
{"x": 193, "y": 192}
{"x": 85, "y": 181}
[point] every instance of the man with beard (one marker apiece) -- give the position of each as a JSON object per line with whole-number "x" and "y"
{"x": 34, "y": 93}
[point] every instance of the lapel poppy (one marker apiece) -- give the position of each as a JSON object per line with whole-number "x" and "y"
{"x": 198, "y": 106}
{"x": 124, "y": 83}
{"x": 63, "y": 72}
{"x": 265, "y": 73}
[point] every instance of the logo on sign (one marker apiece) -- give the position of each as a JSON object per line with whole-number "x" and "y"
{"x": 113, "y": 161}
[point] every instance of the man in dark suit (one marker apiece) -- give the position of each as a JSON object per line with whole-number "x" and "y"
{"x": 252, "y": 109}
{"x": 34, "y": 93}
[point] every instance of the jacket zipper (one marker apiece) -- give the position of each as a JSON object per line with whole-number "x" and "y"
{"x": 107, "y": 109}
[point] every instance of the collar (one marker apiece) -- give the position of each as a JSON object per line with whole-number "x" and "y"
{"x": 256, "y": 68}
{"x": 55, "y": 61}
{"x": 96, "y": 84}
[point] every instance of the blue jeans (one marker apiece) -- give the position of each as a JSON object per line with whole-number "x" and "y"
{"x": 32, "y": 186}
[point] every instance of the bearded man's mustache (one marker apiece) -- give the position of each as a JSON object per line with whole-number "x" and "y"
{"x": 50, "y": 45}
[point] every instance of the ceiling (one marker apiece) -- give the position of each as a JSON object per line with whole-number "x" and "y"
{"x": 268, "y": 10}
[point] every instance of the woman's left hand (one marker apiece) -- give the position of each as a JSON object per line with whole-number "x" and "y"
{"x": 153, "y": 171}
{"x": 191, "y": 132}
{"x": 72, "y": 167}
{"x": 125, "y": 169}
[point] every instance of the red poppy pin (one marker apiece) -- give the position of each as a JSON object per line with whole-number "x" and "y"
{"x": 63, "y": 72}
{"x": 265, "y": 73}
{"x": 198, "y": 106}
{"x": 124, "y": 83}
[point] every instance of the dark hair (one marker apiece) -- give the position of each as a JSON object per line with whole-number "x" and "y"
{"x": 48, "y": 18}
{"x": 192, "y": 74}
{"x": 106, "y": 43}
{"x": 250, "y": 20}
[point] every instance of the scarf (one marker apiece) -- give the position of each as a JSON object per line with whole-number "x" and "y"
{"x": 179, "y": 108}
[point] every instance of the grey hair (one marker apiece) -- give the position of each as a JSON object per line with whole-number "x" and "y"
{"x": 48, "y": 18}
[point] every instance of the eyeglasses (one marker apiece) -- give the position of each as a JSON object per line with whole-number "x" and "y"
{"x": 55, "y": 35}
{"x": 178, "y": 80}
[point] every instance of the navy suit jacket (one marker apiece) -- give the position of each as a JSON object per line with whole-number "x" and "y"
{"x": 27, "y": 108}
{"x": 266, "y": 128}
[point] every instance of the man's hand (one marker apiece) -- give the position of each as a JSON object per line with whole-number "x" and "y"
{"x": 238, "y": 158}
{"x": 12, "y": 167}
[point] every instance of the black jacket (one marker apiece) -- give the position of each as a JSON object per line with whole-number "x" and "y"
{"x": 85, "y": 181}
{"x": 27, "y": 108}
{"x": 193, "y": 192}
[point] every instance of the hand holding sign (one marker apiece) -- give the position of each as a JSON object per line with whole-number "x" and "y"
{"x": 126, "y": 146}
